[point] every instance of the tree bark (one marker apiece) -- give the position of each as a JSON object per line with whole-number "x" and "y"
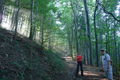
{"x": 75, "y": 27}
{"x": 1, "y": 10}
{"x": 42, "y": 30}
{"x": 16, "y": 17}
{"x": 70, "y": 41}
{"x": 31, "y": 19}
{"x": 96, "y": 38}
{"x": 115, "y": 43}
{"x": 88, "y": 30}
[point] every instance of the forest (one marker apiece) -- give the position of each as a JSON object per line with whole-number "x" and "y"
{"x": 39, "y": 39}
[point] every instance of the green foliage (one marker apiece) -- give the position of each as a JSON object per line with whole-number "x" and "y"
{"x": 110, "y": 4}
{"x": 55, "y": 61}
{"x": 118, "y": 67}
{"x": 4, "y": 79}
{"x": 59, "y": 19}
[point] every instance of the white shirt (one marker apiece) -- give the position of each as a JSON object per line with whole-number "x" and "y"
{"x": 105, "y": 61}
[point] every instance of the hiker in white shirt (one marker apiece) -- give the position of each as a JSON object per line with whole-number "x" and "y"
{"x": 106, "y": 64}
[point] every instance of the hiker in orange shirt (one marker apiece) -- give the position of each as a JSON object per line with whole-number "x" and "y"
{"x": 79, "y": 59}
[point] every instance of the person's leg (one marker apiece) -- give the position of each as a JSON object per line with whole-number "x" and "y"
{"x": 110, "y": 74}
{"x": 105, "y": 72}
{"x": 81, "y": 67}
{"x": 77, "y": 69}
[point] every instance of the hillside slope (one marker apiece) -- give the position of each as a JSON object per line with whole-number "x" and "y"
{"x": 22, "y": 59}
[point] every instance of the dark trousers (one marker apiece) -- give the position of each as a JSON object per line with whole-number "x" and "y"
{"x": 79, "y": 65}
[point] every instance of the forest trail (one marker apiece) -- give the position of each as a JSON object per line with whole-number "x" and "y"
{"x": 90, "y": 72}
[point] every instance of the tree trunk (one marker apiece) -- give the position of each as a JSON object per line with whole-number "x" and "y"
{"x": 31, "y": 19}
{"x": 1, "y": 10}
{"x": 115, "y": 43}
{"x": 107, "y": 38}
{"x": 16, "y": 17}
{"x": 42, "y": 31}
{"x": 70, "y": 41}
{"x": 96, "y": 38}
{"x": 88, "y": 30}
{"x": 75, "y": 27}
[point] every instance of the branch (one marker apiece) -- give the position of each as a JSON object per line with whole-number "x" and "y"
{"x": 107, "y": 12}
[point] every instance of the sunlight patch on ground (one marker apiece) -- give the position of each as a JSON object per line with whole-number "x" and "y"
{"x": 68, "y": 58}
{"x": 88, "y": 73}
{"x": 103, "y": 79}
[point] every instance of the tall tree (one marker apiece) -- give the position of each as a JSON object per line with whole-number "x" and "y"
{"x": 88, "y": 29}
{"x": 1, "y": 10}
{"x": 31, "y": 20}
{"x": 42, "y": 30}
{"x": 16, "y": 16}
{"x": 75, "y": 22}
{"x": 115, "y": 42}
{"x": 96, "y": 38}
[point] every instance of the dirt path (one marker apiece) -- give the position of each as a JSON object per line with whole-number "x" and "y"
{"x": 90, "y": 73}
